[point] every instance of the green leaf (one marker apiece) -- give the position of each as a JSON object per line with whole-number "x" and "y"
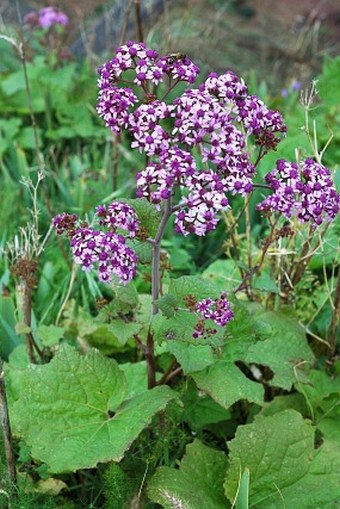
{"x": 124, "y": 331}
{"x": 127, "y": 298}
{"x": 147, "y": 213}
{"x": 196, "y": 485}
{"x": 319, "y": 488}
{"x": 226, "y": 384}
{"x": 328, "y": 85}
{"x": 179, "y": 327}
{"x": 223, "y": 273}
{"x": 167, "y": 304}
{"x": 242, "y": 497}
{"x": 50, "y": 334}
{"x": 289, "y": 401}
{"x": 200, "y": 409}
{"x": 15, "y": 370}
{"x": 22, "y": 328}
{"x": 143, "y": 251}
{"x": 191, "y": 357}
{"x": 8, "y": 337}
{"x": 265, "y": 283}
{"x": 277, "y": 451}
{"x": 98, "y": 335}
{"x": 330, "y": 247}
{"x": 320, "y": 386}
{"x": 72, "y": 413}
{"x": 193, "y": 285}
{"x": 286, "y": 351}
{"x": 136, "y": 378}
{"x": 322, "y": 396}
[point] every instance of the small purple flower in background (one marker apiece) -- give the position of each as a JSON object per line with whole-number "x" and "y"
{"x": 217, "y": 310}
{"x": 31, "y": 19}
{"x": 295, "y": 86}
{"x": 306, "y": 191}
{"x": 49, "y": 16}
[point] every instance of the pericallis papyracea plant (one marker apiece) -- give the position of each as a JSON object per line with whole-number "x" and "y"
{"x": 202, "y": 148}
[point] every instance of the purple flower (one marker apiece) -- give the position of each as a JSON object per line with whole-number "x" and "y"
{"x": 296, "y": 85}
{"x": 49, "y": 16}
{"x": 218, "y": 310}
{"x": 266, "y": 125}
{"x": 206, "y": 197}
{"x": 148, "y": 135}
{"x": 159, "y": 179}
{"x": 119, "y": 215}
{"x": 178, "y": 67}
{"x": 64, "y": 222}
{"x": 113, "y": 106}
{"x": 306, "y": 191}
{"x": 107, "y": 250}
{"x": 31, "y": 18}
{"x": 228, "y": 87}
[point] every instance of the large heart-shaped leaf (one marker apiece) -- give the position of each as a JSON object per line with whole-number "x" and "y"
{"x": 76, "y": 411}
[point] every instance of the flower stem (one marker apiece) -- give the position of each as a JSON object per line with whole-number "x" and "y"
{"x": 156, "y": 283}
{"x": 156, "y": 254}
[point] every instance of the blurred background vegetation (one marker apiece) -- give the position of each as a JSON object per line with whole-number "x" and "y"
{"x": 278, "y": 47}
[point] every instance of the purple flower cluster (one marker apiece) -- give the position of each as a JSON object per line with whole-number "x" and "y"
{"x": 149, "y": 136}
{"x": 64, "y": 223}
{"x": 203, "y": 193}
{"x": 213, "y": 120}
{"x": 159, "y": 179}
{"x": 46, "y": 18}
{"x": 119, "y": 215}
{"x": 266, "y": 125}
{"x": 108, "y": 249}
{"x": 217, "y": 310}
{"x": 113, "y": 106}
{"x": 306, "y": 192}
{"x": 147, "y": 66}
{"x": 206, "y": 197}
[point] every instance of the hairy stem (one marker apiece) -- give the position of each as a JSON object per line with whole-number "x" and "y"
{"x": 156, "y": 283}
{"x": 115, "y": 164}
{"x": 156, "y": 254}
{"x": 10, "y": 459}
